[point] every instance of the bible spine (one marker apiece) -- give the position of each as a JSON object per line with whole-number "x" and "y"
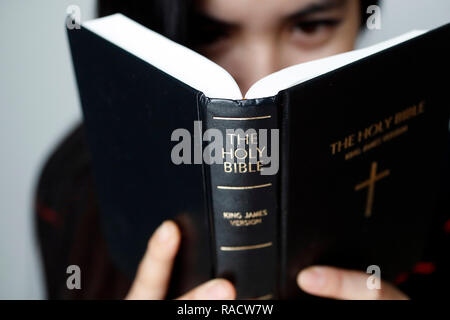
{"x": 243, "y": 184}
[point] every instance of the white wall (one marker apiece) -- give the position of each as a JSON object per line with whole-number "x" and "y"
{"x": 400, "y": 16}
{"x": 38, "y": 104}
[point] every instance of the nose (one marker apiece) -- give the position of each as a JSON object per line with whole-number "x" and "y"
{"x": 257, "y": 59}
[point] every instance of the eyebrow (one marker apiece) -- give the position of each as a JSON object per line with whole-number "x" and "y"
{"x": 318, "y": 7}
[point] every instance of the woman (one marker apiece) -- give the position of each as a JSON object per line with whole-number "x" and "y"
{"x": 250, "y": 39}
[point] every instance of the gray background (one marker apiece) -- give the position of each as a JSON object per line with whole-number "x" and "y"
{"x": 39, "y": 104}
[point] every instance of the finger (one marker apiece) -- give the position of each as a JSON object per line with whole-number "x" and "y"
{"x": 337, "y": 283}
{"x": 217, "y": 289}
{"x": 153, "y": 275}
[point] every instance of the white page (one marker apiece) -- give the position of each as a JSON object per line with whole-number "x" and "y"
{"x": 208, "y": 77}
{"x": 174, "y": 59}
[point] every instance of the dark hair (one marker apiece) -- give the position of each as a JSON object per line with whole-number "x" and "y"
{"x": 171, "y": 17}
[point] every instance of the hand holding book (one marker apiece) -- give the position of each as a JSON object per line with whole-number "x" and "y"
{"x": 153, "y": 277}
{"x": 335, "y": 283}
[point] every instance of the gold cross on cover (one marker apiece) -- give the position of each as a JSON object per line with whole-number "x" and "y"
{"x": 370, "y": 184}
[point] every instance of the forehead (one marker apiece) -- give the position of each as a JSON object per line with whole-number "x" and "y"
{"x": 240, "y": 11}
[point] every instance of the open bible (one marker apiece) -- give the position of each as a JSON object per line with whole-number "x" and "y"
{"x": 338, "y": 161}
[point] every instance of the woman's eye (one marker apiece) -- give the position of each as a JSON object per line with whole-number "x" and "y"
{"x": 314, "y": 26}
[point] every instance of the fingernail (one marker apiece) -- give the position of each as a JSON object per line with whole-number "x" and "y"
{"x": 312, "y": 278}
{"x": 217, "y": 290}
{"x": 165, "y": 232}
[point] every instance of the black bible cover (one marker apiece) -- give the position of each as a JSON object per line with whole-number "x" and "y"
{"x": 363, "y": 157}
